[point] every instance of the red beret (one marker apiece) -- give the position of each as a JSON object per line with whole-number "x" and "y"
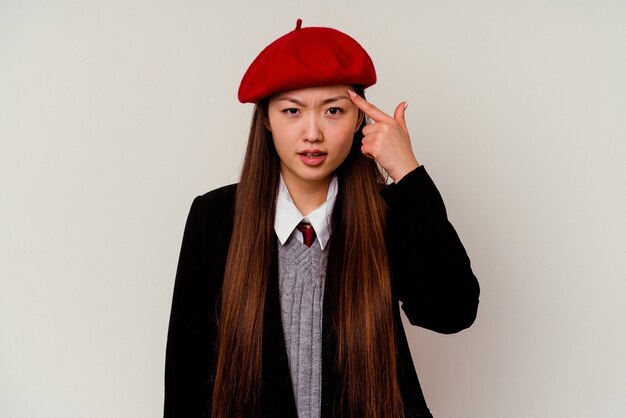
{"x": 306, "y": 58}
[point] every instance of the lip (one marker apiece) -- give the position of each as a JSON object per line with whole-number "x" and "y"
{"x": 312, "y": 157}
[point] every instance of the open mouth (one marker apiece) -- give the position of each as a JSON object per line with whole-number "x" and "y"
{"x": 312, "y": 158}
{"x": 312, "y": 153}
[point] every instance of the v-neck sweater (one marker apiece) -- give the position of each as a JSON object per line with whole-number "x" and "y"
{"x": 301, "y": 274}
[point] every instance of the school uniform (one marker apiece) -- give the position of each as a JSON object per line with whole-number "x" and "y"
{"x": 431, "y": 277}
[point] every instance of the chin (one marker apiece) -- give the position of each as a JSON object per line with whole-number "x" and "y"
{"x": 315, "y": 176}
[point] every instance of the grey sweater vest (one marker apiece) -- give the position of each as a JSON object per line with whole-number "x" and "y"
{"x": 302, "y": 272}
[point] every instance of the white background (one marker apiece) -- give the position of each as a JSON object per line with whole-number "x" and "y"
{"x": 115, "y": 114}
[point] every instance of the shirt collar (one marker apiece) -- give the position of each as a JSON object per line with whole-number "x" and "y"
{"x": 288, "y": 216}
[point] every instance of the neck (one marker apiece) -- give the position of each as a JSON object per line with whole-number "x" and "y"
{"x": 307, "y": 195}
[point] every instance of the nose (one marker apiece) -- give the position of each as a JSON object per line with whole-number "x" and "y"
{"x": 312, "y": 131}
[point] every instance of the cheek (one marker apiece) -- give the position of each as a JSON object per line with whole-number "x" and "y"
{"x": 349, "y": 132}
{"x": 280, "y": 135}
{"x": 280, "y": 146}
{"x": 344, "y": 144}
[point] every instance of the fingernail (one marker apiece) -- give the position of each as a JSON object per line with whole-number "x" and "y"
{"x": 351, "y": 93}
{"x": 406, "y": 104}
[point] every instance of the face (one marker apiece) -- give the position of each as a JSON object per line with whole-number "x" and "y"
{"x": 313, "y": 129}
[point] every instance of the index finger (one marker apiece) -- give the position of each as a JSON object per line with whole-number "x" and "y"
{"x": 369, "y": 109}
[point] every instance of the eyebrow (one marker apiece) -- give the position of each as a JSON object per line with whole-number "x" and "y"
{"x": 301, "y": 103}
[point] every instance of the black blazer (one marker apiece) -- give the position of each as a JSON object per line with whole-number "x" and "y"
{"x": 430, "y": 272}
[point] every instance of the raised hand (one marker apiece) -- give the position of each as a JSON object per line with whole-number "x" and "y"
{"x": 387, "y": 140}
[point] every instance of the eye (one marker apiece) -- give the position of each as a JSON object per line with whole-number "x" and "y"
{"x": 335, "y": 111}
{"x": 291, "y": 111}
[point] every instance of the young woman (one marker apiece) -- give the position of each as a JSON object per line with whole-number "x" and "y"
{"x": 287, "y": 288}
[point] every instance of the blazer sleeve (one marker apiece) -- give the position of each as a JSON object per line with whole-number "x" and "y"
{"x": 189, "y": 335}
{"x": 430, "y": 270}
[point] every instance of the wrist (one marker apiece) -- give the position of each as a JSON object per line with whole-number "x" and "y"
{"x": 406, "y": 169}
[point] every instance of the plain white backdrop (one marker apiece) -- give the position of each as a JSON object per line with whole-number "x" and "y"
{"x": 115, "y": 114}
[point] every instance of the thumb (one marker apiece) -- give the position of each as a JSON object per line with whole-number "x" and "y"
{"x": 398, "y": 115}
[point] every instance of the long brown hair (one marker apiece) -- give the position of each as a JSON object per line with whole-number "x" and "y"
{"x": 357, "y": 290}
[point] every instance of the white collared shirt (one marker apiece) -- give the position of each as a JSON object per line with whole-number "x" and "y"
{"x": 288, "y": 216}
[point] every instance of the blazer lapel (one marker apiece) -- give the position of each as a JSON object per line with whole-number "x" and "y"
{"x": 277, "y": 387}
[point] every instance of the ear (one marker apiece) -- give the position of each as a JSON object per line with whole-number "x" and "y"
{"x": 266, "y": 122}
{"x": 359, "y": 120}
